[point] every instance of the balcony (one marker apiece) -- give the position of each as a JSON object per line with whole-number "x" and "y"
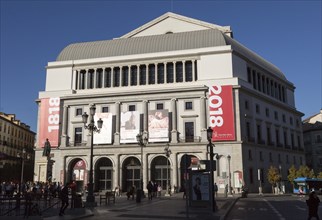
{"x": 186, "y": 139}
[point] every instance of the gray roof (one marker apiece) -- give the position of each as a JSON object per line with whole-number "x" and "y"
{"x": 160, "y": 43}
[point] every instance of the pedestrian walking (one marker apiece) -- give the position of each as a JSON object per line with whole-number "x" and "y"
{"x": 64, "y": 199}
{"x": 313, "y": 204}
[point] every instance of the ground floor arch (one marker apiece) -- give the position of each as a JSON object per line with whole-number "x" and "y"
{"x": 103, "y": 174}
{"x": 131, "y": 173}
{"x": 77, "y": 172}
{"x": 161, "y": 172}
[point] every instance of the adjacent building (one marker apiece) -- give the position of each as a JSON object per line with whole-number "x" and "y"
{"x": 17, "y": 142}
{"x": 169, "y": 79}
{"x": 312, "y": 134}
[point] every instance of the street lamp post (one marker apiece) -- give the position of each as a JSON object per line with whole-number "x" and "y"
{"x": 167, "y": 153}
{"x": 212, "y": 198}
{"x": 229, "y": 177}
{"x": 90, "y": 199}
{"x": 142, "y": 141}
{"x": 23, "y": 157}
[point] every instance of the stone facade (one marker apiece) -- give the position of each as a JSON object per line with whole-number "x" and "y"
{"x": 169, "y": 64}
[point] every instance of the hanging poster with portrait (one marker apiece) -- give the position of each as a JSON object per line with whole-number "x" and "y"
{"x": 238, "y": 179}
{"x": 200, "y": 187}
{"x": 130, "y": 126}
{"x": 159, "y": 125}
{"x": 105, "y": 134}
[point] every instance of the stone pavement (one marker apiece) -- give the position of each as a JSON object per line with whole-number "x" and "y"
{"x": 173, "y": 207}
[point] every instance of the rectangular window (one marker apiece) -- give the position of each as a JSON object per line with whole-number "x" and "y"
{"x": 268, "y": 135}
{"x": 169, "y": 72}
{"x": 116, "y": 76}
{"x": 257, "y": 109}
{"x": 159, "y": 106}
{"x": 259, "y": 81}
{"x": 248, "y": 131}
{"x": 254, "y": 79}
{"x": 105, "y": 109}
{"x": 267, "y": 112}
{"x": 78, "y": 135}
{"x": 188, "y": 68}
{"x": 291, "y": 120}
{"x": 287, "y": 160}
{"x": 259, "y": 133}
{"x": 283, "y": 118}
{"x": 179, "y": 72}
{"x": 79, "y": 111}
{"x": 107, "y": 78}
{"x": 142, "y": 74}
{"x": 277, "y": 136}
{"x": 99, "y": 77}
{"x": 246, "y": 104}
{"x": 251, "y": 175}
{"x": 91, "y": 79}
{"x": 151, "y": 74}
{"x": 270, "y": 157}
{"x": 279, "y": 158}
{"x": 188, "y": 105}
{"x": 285, "y": 138}
{"x": 134, "y": 72}
{"x": 189, "y": 131}
{"x": 250, "y": 157}
{"x": 160, "y": 73}
{"x": 261, "y": 156}
{"x": 249, "y": 75}
{"x": 125, "y": 76}
{"x": 131, "y": 108}
{"x": 275, "y": 115}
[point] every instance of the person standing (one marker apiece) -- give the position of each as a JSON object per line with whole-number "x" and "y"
{"x": 64, "y": 199}
{"x": 197, "y": 189}
{"x": 150, "y": 190}
{"x": 313, "y": 204}
{"x": 216, "y": 189}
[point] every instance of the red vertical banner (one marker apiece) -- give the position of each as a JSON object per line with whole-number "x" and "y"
{"x": 49, "y": 121}
{"x": 221, "y": 113}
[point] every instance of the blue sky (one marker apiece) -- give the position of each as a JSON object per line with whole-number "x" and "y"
{"x": 286, "y": 33}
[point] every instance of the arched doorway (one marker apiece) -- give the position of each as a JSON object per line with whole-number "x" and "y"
{"x": 103, "y": 174}
{"x": 160, "y": 171}
{"x": 131, "y": 173}
{"x": 77, "y": 173}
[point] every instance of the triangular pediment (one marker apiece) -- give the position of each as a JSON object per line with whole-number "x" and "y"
{"x": 174, "y": 23}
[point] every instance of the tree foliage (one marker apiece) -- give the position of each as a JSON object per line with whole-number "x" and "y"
{"x": 292, "y": 174}
{"x": 305, "y": 171}
{"x": 319, "y": 175}
{"x": 273, "y": 176}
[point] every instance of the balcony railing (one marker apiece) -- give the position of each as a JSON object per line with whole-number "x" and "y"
{"x": 186, "y": 139}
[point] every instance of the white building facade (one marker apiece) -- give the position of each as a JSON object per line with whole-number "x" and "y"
{"x": 167, "y": 67}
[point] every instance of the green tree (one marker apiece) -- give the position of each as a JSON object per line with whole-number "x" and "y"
{"x": 273, "y": 176}
{"x": 305, "y": 171}
{"x": 319, "y": 175}
{"x": 292, "y": 174}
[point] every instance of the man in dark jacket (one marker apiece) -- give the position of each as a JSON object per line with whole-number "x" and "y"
{"x": 64, "y": 199}
{"x": 313, "y": 204}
